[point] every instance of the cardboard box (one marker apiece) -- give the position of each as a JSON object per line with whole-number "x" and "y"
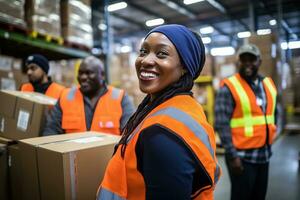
{"x": 3, "y": 172}
{"x": 6, "y": 159}
{"x": 78, "y": 162}
{"x": 208, "y": 66}
{"x": 15, "y": 176}
{"x": 22, "y": 114}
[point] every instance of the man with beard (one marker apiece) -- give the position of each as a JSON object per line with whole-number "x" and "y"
{"x": 245, "y": 120}
{"x": 93, "y": 106}
{"x": 37, "y": 68}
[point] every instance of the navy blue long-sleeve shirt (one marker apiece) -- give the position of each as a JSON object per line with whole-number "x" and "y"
{"x": 169, "y": 168}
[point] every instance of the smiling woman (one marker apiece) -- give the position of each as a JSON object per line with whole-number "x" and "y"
{"x": 158, "y": 64}
{"x": 168, "y": 148}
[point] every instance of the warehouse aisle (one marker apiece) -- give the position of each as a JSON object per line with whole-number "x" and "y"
{"x": 284, "y": 177}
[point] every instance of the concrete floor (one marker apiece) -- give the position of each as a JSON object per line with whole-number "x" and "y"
{"x": 284, "y": 175}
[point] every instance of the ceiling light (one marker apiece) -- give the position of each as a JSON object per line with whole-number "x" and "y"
{"x": 222, "y": 51}
{"x": 96, "y": 51}
{"x": 290, "y": 45}
{"x": 273, "y": 22}
{"x": 117, "y": 6}
{"x": 206, "y": 40}
{"x": 263, "y": 31}
{"x": 187, "y": 2}
{"x": 206, "y": 30}
{"x": 155, "y": 22}
{"x": 102, "y": 27}
{"x": 244, "y": 34}
{"x": 126, "y": 49}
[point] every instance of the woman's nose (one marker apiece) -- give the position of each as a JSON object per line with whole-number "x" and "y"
{"x": 148, "y": 60}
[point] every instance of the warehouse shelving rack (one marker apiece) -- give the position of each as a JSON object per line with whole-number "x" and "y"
{"x": 20, "y": 45}
{"x": 207, "y": 82}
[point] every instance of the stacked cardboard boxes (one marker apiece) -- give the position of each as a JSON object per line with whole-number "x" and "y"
{"x": 3, "y": 172}
{"x": 123, "y": 75}
{"x": 76, "y": 22}
{"x": 9, "y": 173}
{"x": 11, "y": 76}
{"x": 43, "y": 16}
{"x": 296, "y": 72}
{"x": 12, "y": 11}
{"x": 208, "y": 66}
{"x": 64, "y": 71}
{"x": 22, "y": 114}
{"x": 68, "y": 166}
{"x": 224, "y": 66}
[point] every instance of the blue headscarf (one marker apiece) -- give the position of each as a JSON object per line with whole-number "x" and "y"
{"x": 189, "y": 48}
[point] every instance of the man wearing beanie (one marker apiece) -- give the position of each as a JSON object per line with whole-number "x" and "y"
{"x": 37, "y": 68}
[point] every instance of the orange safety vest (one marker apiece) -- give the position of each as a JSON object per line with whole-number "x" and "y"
{"x": 185, "y": 118}
{"x": 106, "y": 117}
{"x": 249, "y": 124}
{"x": 54, "y": 90}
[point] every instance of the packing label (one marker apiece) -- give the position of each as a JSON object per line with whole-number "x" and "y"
{"x": 23, "y": 120}
{"x": 2, "y": 124}
{"x": 8, "y": 84}
{"x": 87, "y": 140}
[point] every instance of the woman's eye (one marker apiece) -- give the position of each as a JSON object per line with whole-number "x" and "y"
{"x": 142, "y": 52}
{"x": 162, "y": 53}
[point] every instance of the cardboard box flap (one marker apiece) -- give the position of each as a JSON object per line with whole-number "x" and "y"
{"x": 62, "y": 137}
{"x": 6, "y": 141}
{"x": 86, "y": 142}
{"x": 33, "y": 97}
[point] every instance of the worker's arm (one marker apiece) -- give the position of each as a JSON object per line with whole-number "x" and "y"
{"x": 128, "y": 109}
{"x": 169, "y": 167}
{"x": 53, "y": 122}
{"x": 224, "y": 107}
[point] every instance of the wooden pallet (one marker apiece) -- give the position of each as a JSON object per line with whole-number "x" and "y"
{"x": 19, "y": 28}
{"x": 46, "y": 37}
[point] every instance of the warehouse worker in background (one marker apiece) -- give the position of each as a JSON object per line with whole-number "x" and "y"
{"x": 94, "y": 106}
{"x": 245, "y": 120}
{"x": 37, "y": 67}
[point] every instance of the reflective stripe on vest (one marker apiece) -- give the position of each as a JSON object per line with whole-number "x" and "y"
{"x": 248, "y": 121}
{"x": 188, "y": 121}
{"x": 108, "y": 195}
{"x": 273, "y": 92}
{"x": 71, "y": 94}
{"x": 194, "y": 126}
{"x": 115, "y": 93}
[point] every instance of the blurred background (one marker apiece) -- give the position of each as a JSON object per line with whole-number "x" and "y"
{"x": 65, "y": 31}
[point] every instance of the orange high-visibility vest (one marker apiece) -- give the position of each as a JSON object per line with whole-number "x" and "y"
{"x": 249, "y": 124}
{"x": 183, "y": 116}
{"x": 107, "y": 115}
{"x": 54, "y": 90}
